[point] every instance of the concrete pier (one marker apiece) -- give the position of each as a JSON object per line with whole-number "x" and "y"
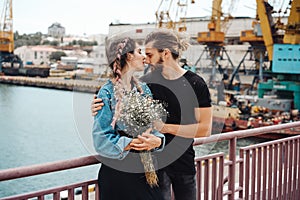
{"x": 90, "y": 86}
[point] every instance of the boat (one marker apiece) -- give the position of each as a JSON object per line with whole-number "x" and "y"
{"x": 240, "y": 112}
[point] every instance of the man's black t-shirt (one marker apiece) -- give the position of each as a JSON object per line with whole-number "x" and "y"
{"x": 180, "y": 97}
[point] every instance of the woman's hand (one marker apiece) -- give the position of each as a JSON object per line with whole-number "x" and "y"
{"x": 96, "y": 105}
{"x": 134, "y": 141}
{"x": 147, "y": 141}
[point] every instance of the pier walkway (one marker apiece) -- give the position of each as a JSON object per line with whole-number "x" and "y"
{"x": 90, "y": 86}
{"x": 269, "y": 170}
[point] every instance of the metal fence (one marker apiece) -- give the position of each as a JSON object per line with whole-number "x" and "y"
{"x": 269, "y": 170}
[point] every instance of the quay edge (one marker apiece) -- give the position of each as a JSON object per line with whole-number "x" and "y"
{"x": 54, "y": 83}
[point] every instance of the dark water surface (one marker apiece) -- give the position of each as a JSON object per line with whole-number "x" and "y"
{"x": 37, "y": 126}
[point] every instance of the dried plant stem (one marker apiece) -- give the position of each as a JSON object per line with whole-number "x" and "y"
{"x": 149, "y": 168}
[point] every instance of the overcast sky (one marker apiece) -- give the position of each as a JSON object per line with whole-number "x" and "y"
{"x": 94, "y": 16}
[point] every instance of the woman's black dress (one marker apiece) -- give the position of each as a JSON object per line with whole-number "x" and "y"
{"x": 116, "y": 184}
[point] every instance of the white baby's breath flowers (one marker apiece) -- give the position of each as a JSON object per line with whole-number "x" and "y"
{"x": 137, "y": 113}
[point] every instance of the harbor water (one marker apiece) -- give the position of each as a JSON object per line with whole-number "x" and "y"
{"x": 37, "y": 126}
{"x": 40, "y": 125}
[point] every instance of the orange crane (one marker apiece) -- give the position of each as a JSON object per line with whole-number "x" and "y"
{"x": 214, "y": 35}
{"x": 171, "y": 14}
{"x": 214, "y": 41}
{"x": 261, "y": 39}
{"x": 280, "y": 50}
{"x": 292, "y": 29}
{"x": 6, "y": 29}
{"x": 265, "y": 34}
{"x": 284, "y": 55}
{"x": 7, "y": 37}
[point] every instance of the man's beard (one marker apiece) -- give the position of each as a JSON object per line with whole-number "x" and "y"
{"x": 157, "y": 65}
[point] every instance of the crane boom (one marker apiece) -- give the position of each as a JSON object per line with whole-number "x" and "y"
{"x": 167, "y": 18}
{"x": 265, "y": 24}
{"x": 163, "y": 18}
{"x": 292, "y": 34}
{"x": 216, "y": 15}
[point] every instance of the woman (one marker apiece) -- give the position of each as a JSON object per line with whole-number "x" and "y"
{"x": 121, "y": 175}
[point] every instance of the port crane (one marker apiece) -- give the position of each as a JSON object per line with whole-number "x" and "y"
{"x": 214, "y": 40}
{"x": 7, "y": 37}
{"x": 278, "y": 44}
{"x": 264, "y": 33}
{"x": 171, "y": 14}
{"x": 283, "y": 54}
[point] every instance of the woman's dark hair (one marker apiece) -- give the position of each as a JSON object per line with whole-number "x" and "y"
{"x": 116, "y": 52}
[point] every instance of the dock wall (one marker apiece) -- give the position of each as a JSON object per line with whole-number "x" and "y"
{"x": 89, "y": 86}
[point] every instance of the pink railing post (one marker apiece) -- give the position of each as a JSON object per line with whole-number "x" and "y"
{"x": 231, "y": 171}
{"x": 241, "y": 174}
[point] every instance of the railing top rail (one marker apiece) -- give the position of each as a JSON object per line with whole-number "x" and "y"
{"x": 20, "y": 172}
{"x": 271, "y": 143}
{"x": 210, "y": 156}
{"x": 245, "y": 133}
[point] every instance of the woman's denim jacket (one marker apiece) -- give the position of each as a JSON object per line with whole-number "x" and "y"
{"x": 107, "y": 142}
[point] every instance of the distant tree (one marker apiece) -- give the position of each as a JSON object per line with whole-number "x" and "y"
{"x": 46, "y": 42}
{"x": 80, "y": 42}
{"x": 16, "y": 35}
{"x": 27, "y": 39}
{"x": 37, "y": 39}
{"x": 83, "y": 43}
{"x": 54, "y": 43}
{"x": 57, "y": 55}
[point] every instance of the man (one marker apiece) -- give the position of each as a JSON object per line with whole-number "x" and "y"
{"x": 188, "y": 103}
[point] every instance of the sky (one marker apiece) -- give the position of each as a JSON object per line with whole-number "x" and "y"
{"x": 89, "y": 17}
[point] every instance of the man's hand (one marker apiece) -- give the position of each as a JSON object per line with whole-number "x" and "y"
{"x": 96, "y": 105}
{"x": 159, "y": 125}
{"x": 148, "y": 141}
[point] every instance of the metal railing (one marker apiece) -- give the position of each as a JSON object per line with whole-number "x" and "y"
{"x": 269, "y": 170}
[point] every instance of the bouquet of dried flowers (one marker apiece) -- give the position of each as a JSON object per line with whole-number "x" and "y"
{"x": 137, "y": 113}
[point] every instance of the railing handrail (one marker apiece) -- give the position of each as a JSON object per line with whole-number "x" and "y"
{"x": 20, "y": 172}
{"x": 245, "y": 133}
{"x": 24, "y": 171}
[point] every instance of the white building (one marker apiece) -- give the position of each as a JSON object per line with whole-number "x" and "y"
{"x": 41, "y": 54}
{"x": 99, "y": 55}
{"x": 100, "y": 61}
{"x": 35, "y": 54}
{"x": 78, "y": 53}
{"x": 194, "y": 25}
{"x": 99, "y": 38}
{"x": 56, "y": 30}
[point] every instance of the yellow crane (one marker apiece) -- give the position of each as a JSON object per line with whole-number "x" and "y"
{"x": 292, "y": 30}
{"x": 285, "y": 60}
{"x": 214, "y": 35}
{"x": 7, "y": 39}
{"x": 171, "y": 14}
{"x": 282, "y": 52}
{"x": 264, "y": 32}
{"x": 261, "y": 37}
{"x": 6, "y": 28}
{"x": 214, "y": 41}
